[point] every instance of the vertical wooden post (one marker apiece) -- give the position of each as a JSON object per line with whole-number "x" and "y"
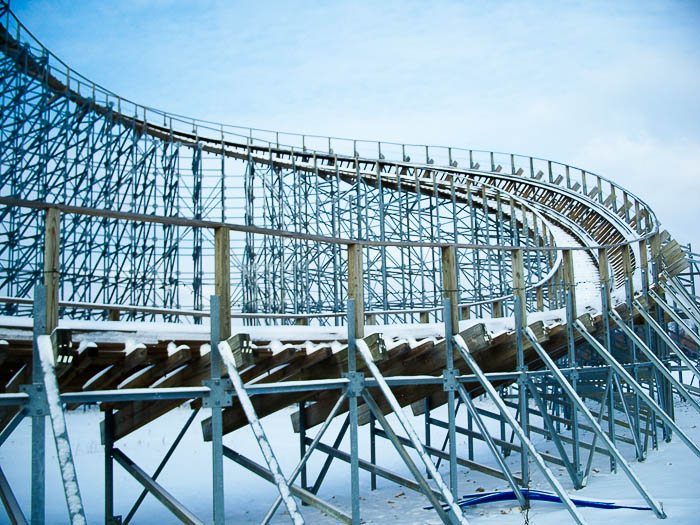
{"x": 656, "y": 254}
{"x": 52, "y": 244}
{"x": 497, "y": 309}
{"x": 356, "y": 288}
{"x": 569, "y": 279}
{"x": 644, "y": 264}
{"x": 655, "y": 246}
{"x": 222, "y": 279}
{"x": 370, "y": 319}
{"x": 627, "y": 266}
{"x": 604, "y": 271}
{"x": 425, "y": 317}
{"x": 519, "y": 283}
{"x": 540, "y": 299}
{"x": 449, "y": 283}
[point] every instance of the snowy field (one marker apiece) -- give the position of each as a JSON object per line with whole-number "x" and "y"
{"x": 671, "y": 474}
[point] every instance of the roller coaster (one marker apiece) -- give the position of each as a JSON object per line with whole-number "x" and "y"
{"x": 150, "y": 260}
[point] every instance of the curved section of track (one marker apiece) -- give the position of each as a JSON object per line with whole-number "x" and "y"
{"x": 595, "y": 210}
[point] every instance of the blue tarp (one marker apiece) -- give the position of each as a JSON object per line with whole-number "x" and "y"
{"x": 538, "y": 495}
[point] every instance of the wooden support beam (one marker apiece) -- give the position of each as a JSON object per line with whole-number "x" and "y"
{"x": 356, "y": 287}
{"x": 425, "y": 317}
{"x": 497, "y": 309}
{"x": 181, "y": 356}
{"x": 377, "y": 347}
{"x": 604, "y": 271}
{"x": 222, "y": 279}
{"x": 569, "y": 278}
{"x": 519, "y": 282}
{"x": 644, "y": 260}
{"x": 449, "y": 283}
{"x": 241, "y": 350}
{"x": 52, "y": 245}
{"x": 627, "y": 269}
{"x": 655, "y": 247}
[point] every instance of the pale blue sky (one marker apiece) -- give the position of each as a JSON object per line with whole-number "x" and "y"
{"x": 611, "y": 87}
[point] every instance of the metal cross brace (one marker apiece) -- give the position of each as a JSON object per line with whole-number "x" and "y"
{"x": 517, "y": 429}
{"x": 74, "y": 501}
{"x": 455, "y": 515}
{"x": 261, "y": 438}
{"x": 575, "y": 398}
{"x": 677, "y": 318}
{"x": 667, "y": 339}
{"x": 638, "y": 389}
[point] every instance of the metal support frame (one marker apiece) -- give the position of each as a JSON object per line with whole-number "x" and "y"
{"x": 307, "y": 454}
{"x": 9, "y": 501}
{"x": 677, "y": 318}
{"x": 162, "y": 495}
{"x": 657, "y": 363}
{"x": 161, "y": 466}
{"x": 305, "y": 495}
{"x": 667, "y": 339}
{"x": 58, "y": 424}
{"x": 681, "y": 292}
{"x": 226, "y": 354}
{"x": 466, "y": 398}
{"x": 600, "y": 433}
{"x": 355, "y": 379}
{"x": 217, "y": 401}
{"x": 455, "y": 513}
{"x": 517, "y": 429}
{"x": 38, "y": 413}
{"x": 108, "y": 443}
{"x": 450, "y": 386}
{"x": 636, "y": 387}
{"x": 448, "y": 380}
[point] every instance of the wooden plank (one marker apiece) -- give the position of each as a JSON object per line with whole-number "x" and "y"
{"x": 519, "y": 282}
{"x": 52, "y": 243}
{"x": 627, "y": 268}
{"x": 136, "y": 359}
{"x": 132, "y": 416}
{"x": 449, "y": 283}
{"x": 222, "y": 279}
{"x": 182, "y": 355}
{"x": 644, "y": 257}
{"x": 604, "y": 271}
{"x": 569, "y": 278}
{"x": 356, "y": 287}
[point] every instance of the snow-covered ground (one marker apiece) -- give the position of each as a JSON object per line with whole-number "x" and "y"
{"x": 672, "y": 475}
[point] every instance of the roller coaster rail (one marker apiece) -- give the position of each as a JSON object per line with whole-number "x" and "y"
{"x": 391, "y": 275}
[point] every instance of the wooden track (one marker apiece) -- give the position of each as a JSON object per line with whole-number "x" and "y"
{"x": 160, "y": 362}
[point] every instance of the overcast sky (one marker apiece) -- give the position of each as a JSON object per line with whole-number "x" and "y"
{"x": 612, "y": 87}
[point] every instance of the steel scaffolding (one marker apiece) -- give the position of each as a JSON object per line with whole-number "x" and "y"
{"x": 111, "y": 210}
